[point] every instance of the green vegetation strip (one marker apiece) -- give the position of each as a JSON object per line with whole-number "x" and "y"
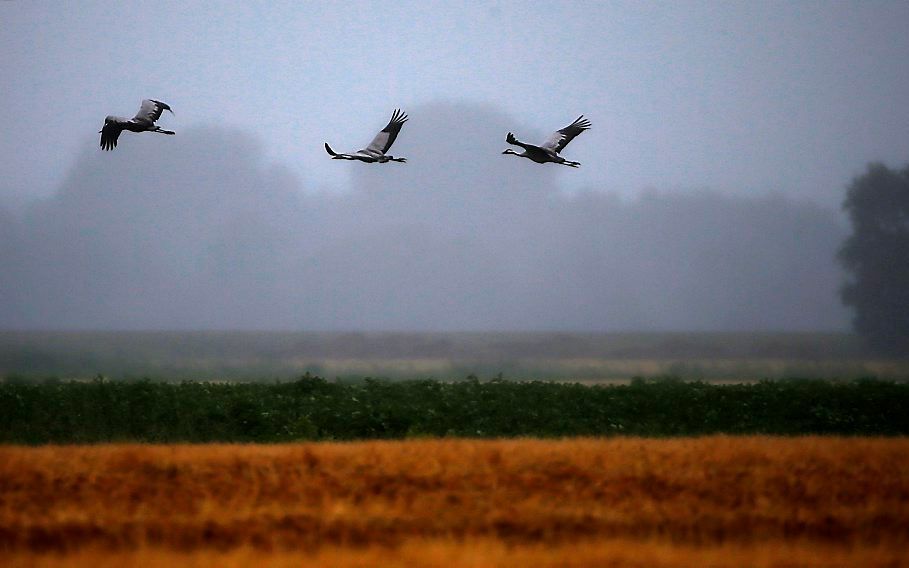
{"x": 314, "y": 409}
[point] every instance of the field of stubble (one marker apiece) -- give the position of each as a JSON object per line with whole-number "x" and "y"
{"x": 712, "y": 501}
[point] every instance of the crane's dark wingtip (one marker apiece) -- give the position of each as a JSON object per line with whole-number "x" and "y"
{"x": 399, "y": 116}
{"x": 329, "y": 150}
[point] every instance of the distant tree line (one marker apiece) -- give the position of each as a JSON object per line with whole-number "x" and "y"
{"x": 876, "y": 255}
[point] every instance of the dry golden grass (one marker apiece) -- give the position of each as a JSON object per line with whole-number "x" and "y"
{"x": 718, "y": 501}
{"x": 481, "y": 553}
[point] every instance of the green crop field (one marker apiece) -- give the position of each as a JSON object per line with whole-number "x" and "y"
{"x": 232, "y": 386}
{"x": 315, "y": 409}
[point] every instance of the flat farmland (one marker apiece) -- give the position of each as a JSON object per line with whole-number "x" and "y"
{"x": 719, "y": 501}
{"x": 588, "y": 357}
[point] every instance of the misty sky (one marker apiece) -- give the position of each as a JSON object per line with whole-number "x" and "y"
{"x": 201, "y": 231}
{"x": 724, "y": 135}
{"x": 792, "y": 97}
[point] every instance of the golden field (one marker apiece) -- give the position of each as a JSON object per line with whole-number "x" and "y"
{"x": 714, "y": 501}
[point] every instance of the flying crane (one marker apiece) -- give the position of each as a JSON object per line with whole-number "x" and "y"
{"x": 375, "y": 152}
{"x": 549, "y": 150}
{"x": 144, "y": 121}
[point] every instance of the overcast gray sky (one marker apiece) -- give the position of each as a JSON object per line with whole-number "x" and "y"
{"x": 724, "y": 135}
{"x": 744, "y": 97}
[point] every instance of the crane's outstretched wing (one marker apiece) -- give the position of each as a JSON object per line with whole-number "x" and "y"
{"x": 384, "y": 139}
{"x": 561, "y": 138}
{"x": 151, "y": 110}
{"x": 109, "y": 135}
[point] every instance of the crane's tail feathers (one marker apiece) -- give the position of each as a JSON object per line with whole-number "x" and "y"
{"x": 329, "y": 150}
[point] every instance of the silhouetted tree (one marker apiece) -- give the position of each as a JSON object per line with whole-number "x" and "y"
{"x": 877, "y": 255}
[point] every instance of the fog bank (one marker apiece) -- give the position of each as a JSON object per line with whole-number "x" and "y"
{"x": 198, "y": 231}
